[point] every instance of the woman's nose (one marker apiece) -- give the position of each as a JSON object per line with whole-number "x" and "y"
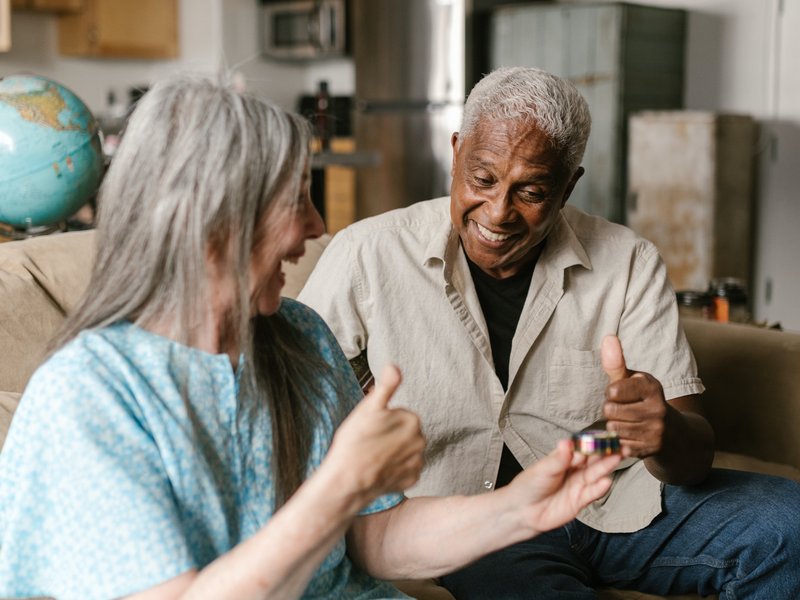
{"x": 315, "y": 226}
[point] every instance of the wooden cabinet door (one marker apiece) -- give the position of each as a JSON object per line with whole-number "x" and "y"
{"x": 121, "y": 29}
{"x": 49, "y": 5}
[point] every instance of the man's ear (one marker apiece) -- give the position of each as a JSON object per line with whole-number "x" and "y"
{"x": 453, "y": 144}
{"x": 571, "y": 185}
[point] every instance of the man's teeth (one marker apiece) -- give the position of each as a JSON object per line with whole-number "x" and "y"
{"x": 291, "y": 259}
{"x": 491, "y": 236}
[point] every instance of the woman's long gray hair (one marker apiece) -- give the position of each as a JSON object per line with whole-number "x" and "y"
{"x": 537, "y": 97}
{"x": 199, "y": 167}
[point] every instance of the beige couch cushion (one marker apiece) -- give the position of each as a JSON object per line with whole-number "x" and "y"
{"x": 42, "y": 278}
{"x": 39, "y": 279}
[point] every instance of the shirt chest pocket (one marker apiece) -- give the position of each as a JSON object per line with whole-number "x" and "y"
{"x": 576, "y": 386}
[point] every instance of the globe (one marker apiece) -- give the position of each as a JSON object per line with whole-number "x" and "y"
{"x": 51, "y": 159}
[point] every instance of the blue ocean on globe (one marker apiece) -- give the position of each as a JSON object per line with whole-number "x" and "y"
{"x": 51, "y": 160}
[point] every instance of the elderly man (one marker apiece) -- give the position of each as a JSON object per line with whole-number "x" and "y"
{"x": 497, "y": 303}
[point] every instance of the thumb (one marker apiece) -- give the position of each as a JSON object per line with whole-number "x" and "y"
{"x": 385, "y": 387}
{"x": 612, "y": 359}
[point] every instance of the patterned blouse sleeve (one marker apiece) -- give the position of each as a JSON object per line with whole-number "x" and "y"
{"x": 87, "y": 508}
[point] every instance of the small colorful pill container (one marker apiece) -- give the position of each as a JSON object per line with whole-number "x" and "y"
{"x": 596, "y": 441}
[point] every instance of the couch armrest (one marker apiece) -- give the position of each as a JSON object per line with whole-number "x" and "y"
{"x": 752, "y": 379}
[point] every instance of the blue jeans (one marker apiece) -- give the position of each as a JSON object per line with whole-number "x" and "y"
{"x": 737, "y": 535}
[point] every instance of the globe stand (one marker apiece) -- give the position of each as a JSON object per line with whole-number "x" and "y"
{"x": 9, "y": 233}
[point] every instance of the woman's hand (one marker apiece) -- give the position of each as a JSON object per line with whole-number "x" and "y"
{"x": 378, "y": 449}
{"x": 429, "y": 536}
{"x": 555, "y": 489}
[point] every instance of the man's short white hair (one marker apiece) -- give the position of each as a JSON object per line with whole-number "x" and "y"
{"x": 533, "y": 96}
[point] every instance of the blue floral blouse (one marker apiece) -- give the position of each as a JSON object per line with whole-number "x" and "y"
{"x": 110, "y": 485}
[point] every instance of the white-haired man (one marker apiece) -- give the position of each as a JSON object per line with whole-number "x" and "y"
{"x": 507, "y": 312}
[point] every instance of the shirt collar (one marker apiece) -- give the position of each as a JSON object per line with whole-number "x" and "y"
{"x": 563, "y": 248}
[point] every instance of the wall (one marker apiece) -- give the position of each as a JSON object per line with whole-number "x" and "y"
{"x": 741, "y": 58}
{"x": 212, "y": 33}
{"x": 34, "y": 49}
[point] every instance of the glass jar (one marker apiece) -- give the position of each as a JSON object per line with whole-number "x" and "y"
{"x": 695, "y": 304}
{"x": 730, "y": 300}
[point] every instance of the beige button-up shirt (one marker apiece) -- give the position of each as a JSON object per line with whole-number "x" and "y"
{"x": 398, "y": 285}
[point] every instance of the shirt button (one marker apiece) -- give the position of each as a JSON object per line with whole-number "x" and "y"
{"x": 488, "y": 485}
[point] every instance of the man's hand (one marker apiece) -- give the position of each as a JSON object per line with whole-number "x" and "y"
{"x": 674, "y": 438}
{"x": 635, "y": 407}
{"x": 378, "y": 449}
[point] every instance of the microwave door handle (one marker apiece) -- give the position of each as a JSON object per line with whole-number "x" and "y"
{"x": 315, "y": 25}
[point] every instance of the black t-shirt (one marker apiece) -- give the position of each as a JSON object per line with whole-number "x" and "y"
{"x": 502, "y": 301}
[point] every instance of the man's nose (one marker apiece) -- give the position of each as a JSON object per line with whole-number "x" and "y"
{"x": 500, "y": 207}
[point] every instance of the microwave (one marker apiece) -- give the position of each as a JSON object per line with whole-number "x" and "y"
{"x": 303, "y": 29}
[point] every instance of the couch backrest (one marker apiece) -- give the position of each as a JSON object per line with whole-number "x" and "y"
{"x": 752, "y": 375}
{"x": 40, "y": 279}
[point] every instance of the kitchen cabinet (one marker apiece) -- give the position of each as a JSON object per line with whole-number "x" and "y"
{"x": 691, "y": 179}
{"x": 121, "y": 29}
{"x": 340, "y": 189}
{"x": 622, "y": 57}
{"x": 48, "y": 5}
{"x": 338, "y": 181}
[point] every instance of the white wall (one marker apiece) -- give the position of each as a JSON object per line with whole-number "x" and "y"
{"x": 212, "y": 33}
{"x": 742, "y": 57}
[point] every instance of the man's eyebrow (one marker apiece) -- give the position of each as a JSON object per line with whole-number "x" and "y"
{"x": 539, "y": 179}
{"x": 477, "y": 161}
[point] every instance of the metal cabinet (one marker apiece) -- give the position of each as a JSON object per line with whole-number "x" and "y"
{"x": 691, "y": 177}
{"x": 622, "y": 57}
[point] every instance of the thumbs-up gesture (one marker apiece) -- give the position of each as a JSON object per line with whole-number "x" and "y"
{"x": 635, "y": 407}
{"x": 378, "y": 449}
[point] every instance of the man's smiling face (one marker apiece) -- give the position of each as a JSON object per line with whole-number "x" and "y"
{"x": 509, "y": 185}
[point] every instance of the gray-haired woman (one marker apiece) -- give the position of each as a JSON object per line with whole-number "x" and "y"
{"x": 192, "y": 435}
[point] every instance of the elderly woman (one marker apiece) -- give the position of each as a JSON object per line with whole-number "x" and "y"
{"x": 193, "y": 435}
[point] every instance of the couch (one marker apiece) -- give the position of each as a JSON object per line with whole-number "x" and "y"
{"x": 752, "y": 375}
